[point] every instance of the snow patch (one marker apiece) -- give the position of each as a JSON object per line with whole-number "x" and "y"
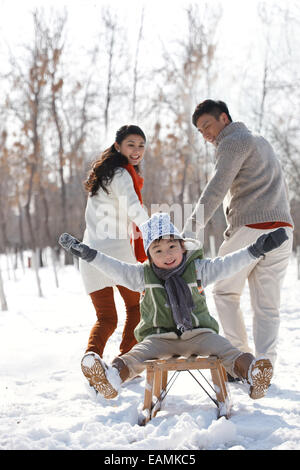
{"x": 46, "y": 402}
{"x": 255, "y": 371}
{"x": 89, "y": 360}
{"x": 113, "y": 377}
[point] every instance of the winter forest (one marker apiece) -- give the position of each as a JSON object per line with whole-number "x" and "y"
{"x": 62, "y": 101}
{"x": 68, "y": 82}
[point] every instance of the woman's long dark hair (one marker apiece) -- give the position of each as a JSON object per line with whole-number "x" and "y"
{"x": 103, "y": 170}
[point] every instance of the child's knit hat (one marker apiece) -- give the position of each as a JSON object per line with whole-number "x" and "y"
{"x": 160, "y": 226}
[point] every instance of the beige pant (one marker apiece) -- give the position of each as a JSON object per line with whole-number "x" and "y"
{"x": 265, "y": 277}
{"x": 200, "y": 342}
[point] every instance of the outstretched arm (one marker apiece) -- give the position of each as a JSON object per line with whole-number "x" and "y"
{"x": 221, "y": 267}
{"x": 124, "y": 274}
{"x": 211, "y": 270}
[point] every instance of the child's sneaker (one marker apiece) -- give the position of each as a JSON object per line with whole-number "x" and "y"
{"x": 95, "y": 370}
{"x": 260, "y": 375}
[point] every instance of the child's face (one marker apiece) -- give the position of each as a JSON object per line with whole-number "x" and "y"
{"x": 166, "y": 253}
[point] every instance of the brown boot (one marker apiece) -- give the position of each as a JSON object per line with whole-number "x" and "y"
{"x": 121, "y": 368}
{"x": 257, "y": 372}
{"x": 102, "y": 378}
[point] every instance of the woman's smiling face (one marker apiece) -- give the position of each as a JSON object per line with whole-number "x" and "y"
{"x": 166, "y": 253}
{"x": 133, "y": 148}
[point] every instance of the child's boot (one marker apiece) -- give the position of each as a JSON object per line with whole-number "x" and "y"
{"x": 256, "y": 372}
{"x": 104, "y": 379}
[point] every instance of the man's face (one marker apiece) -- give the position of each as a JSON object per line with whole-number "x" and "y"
{"x": 210, "y": 127}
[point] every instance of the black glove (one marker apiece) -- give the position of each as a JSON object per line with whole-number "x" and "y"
{"x": 268, "y": 242}
{"x": 77, "y": 248}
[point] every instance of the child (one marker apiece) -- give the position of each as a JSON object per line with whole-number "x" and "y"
{"x": 174, "y": 315}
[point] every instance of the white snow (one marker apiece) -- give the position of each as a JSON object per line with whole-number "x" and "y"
{"x": 255, "y": 372}
{"x": 113, "y": 377}
{"x": 46, "y": 403}
{"x": 88, "y": 360}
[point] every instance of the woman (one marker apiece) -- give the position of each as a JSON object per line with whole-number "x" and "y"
{"x": 114, "y": 208}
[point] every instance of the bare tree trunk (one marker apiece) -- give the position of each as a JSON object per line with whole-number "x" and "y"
{"x": 64, "y": 213}
{"x": 263, "y": 95}
{"x": 27, "y": 207}
{"x": 48, "y": 233}
{"x": 184, "y": 181}
{"x": 115, "y": 53}
{"x": 35, "y": 259}
{"x": 135, "y": 69}
{"x": 35, "y": 85}
{"x": 111, "y": 32}
{"x": 2, "y": 294}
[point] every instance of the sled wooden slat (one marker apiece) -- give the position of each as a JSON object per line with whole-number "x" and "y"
{"x": 157, "y": 379}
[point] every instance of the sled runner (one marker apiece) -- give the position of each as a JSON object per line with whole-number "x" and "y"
{"x": 157, "y": 385}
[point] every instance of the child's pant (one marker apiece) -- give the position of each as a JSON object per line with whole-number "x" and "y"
{"x": 107, "y": 319}
{"x": 199, "y": 342}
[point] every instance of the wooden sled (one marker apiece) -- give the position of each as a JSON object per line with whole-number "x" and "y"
{"x": 157, "y": 385}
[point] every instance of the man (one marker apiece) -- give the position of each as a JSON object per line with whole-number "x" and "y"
{"x": 248, "y": 179}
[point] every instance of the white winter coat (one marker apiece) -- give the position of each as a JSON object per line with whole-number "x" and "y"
{"x": 109, "y": 220}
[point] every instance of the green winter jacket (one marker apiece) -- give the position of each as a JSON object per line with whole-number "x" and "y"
{"x": 156, "y": 314}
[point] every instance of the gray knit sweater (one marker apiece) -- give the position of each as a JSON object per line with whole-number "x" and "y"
{"x": 248, "y": 178}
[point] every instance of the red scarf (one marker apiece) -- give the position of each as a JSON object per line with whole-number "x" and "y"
{"x": 138, "y": 183}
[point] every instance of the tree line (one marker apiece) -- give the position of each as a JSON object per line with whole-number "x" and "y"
{"x": 57, "y": 115}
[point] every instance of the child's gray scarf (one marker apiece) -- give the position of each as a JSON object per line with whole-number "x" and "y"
{"x": 179, "y": 295}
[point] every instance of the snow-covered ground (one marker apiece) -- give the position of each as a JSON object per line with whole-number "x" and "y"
{"x": 46, "y": 404}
